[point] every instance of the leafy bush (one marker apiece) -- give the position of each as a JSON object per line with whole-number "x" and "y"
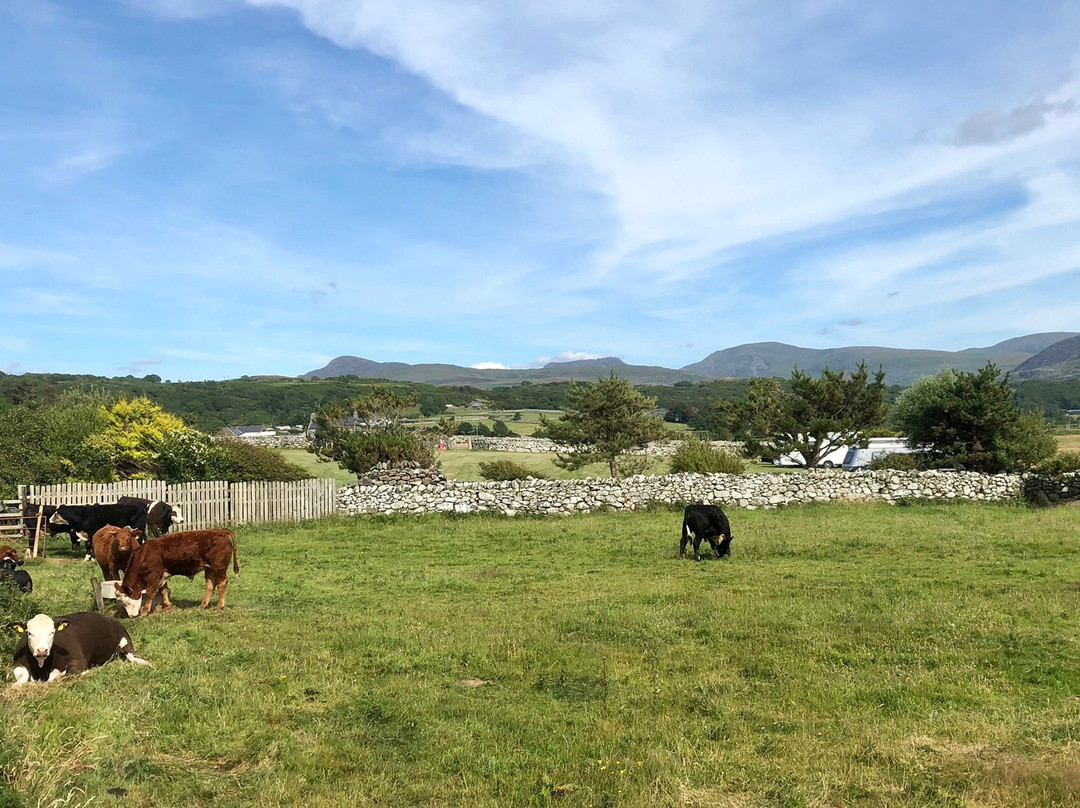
{"x": 970, "y": 421}
{"x": 500, "y": 430}
{"x": 701, "y": 457}
{"x": 188, "y": 455}
{"x": 1061, "y": 463}
{"x": 508, "y": 470}
{"x": 894, "y": 461}
{"x": 44, "y": 444}
{"x": 247, "y": 462}
{"x": 360, "y": 451}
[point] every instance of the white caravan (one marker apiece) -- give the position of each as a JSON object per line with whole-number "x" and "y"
{"x": 832, "y": 459}
{"x": 876, "y": 447}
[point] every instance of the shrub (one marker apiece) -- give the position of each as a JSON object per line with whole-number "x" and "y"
{"x": 500, "y": 430}
{"x": 894, "y": 461}
{"x": 248, "y": 462}
{"x": 360, "y": 451}
{"x": 1061, "y": 463}
{"x": 508, "y": 470}
{"x": 701, "y": 457}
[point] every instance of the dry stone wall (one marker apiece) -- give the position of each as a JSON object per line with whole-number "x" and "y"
{"x": 529, "y": 444}
{"x": 744, "y": 491}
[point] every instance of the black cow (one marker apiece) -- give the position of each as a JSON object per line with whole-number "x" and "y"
{"x": 69, "y": 645}
{"x": 30, "y": 522}
{"x": 705, "y": 522}
{"x": 9, "y": 575}
{"x": 160, "y": 515}
{"x": 86, "y": 520}
{"x": 13, "y": 577}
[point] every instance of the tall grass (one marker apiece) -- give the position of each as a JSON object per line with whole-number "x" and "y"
{"x": 844, "y": 655}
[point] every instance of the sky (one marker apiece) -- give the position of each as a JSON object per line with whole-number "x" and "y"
{"x": 204, "y": 189}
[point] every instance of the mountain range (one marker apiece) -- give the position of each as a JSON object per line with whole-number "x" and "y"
{"x": 1047, "y": 355}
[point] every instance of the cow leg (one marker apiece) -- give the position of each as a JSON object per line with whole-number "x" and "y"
{"x": 697, "y": 548}
{"x": 222, "y": 585}
{"x": 21, "y": 674}
{"x": 166, "y": 604}
{"x": 209, "y": 590}
{"x": 148, "y": 599}
{"x": 715, "y": 545}
{"x": 683, "y": 540}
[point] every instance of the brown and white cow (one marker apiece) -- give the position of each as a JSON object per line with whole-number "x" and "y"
{"x": 49, "y": 648}
{"x": 7, "y": 551}
{"x": 113, "y": 547}
{"x": 186, "y": 553}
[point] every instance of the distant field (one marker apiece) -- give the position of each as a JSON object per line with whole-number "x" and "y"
{"x": 844, "y": 655}
{"x": 307, "y": 460}
{"x": 1069, "y": 442}
{"x": 462, "y": 464}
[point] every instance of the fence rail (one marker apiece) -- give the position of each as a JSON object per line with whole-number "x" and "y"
{"x": 203, "y": 504}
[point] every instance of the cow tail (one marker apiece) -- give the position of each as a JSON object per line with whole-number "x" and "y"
{"x": 235, "y": 563}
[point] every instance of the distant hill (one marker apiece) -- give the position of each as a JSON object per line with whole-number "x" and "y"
{"x": 1058, "y": 361}
{"x": 902, "y": 365}
{"x": 581, "y": 370}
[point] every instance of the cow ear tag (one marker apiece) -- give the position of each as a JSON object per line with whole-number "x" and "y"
{"x": 19, "y": 627}
{"x": 61, "y": 626}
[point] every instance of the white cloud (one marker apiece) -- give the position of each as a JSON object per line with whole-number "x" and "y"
{"x": 488, "y": 366}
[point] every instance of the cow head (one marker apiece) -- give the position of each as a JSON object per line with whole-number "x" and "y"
{"x": 128, "y": 538}
{"x": 40, "y": 631}
{"x": 9, "y": 553}
{"x": 57, "y": 518}
{"x": 177, "y": 517}
{"x": 131, "y": 604}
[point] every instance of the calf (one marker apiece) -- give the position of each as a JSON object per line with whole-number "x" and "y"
{"x": 86, "y": 520}
{"x": 186, "y": 553}
{"x": 9, "y": 575}
{"x": 113, "y": 547}
{"x": 160, "y": 515}
{"x": 68, "y": 646}
{"x": 705, "y": 522}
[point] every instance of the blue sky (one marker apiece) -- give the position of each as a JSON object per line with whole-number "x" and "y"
{"x": 208, "y": 188}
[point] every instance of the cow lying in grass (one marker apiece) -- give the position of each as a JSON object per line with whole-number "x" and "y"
{"x": 705, "y": 522}
{"x": 187, "y": 553}
{"x": 9, "y": 575}
{"x": 68, "y": 646}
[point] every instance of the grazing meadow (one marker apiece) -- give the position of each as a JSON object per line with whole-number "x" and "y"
{"x": 921, "y": 655}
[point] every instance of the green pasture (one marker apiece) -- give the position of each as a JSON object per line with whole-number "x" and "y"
{"x": 844, "y": 655}
{"x": 464, "y": 464}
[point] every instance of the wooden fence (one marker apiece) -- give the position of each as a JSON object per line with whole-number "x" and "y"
{"x": 203, "y": 504}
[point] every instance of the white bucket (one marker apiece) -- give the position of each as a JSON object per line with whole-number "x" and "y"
{"x": 108, "y": 589}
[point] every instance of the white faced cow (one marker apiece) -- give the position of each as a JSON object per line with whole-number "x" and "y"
{"x": 68, "y": 646}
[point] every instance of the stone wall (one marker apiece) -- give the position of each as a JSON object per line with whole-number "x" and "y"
{"x": 529, "y": 444}
{"x": 406, "y": 473}
{"x": 744, "y": 491}
{"x": 280, "y": 441}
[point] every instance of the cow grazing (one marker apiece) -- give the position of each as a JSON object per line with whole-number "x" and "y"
{"x": 9, "y": 575}
{"x": 68, "y": 646}
{"x": 186, "y": 553}
{"x": 705, "y": 522}
{"x": 113, "y": 547}
{"x": 86, "y": 520}
{"x": 160, "y": 515}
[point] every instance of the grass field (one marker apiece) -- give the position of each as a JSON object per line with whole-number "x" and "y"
{"x": 1069, "y": 441}
{"x": 463, "y": 464}
{"x": 844, "y": 655}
